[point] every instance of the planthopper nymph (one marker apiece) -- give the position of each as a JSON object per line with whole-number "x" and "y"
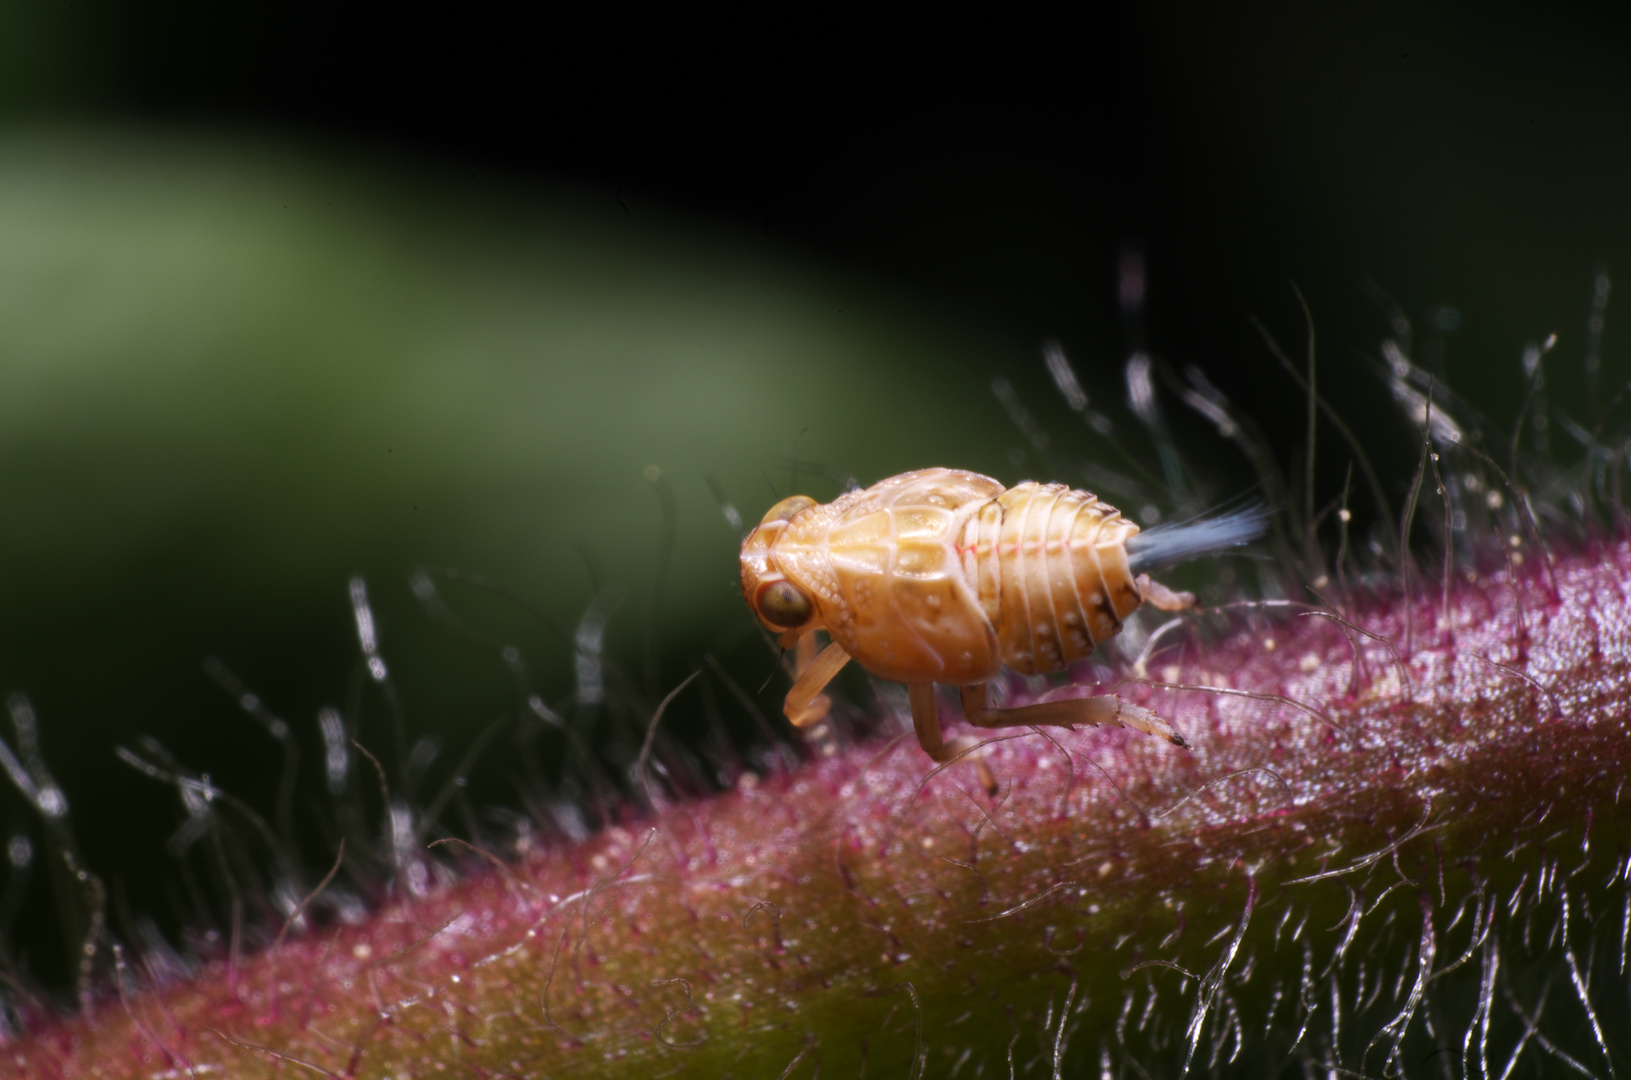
{"x": 945, "y": 576}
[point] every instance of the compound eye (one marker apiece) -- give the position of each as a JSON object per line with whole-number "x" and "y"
{"x": 782, "y": 604}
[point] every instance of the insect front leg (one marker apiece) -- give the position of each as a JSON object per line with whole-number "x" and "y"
{"x": 926, "y": 719}
{"x": 806, "y": 705}
{"x": 1104, "y": 709}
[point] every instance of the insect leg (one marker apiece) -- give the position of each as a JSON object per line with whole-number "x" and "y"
{"x": 806, "y": 704}
{"x": 1104, "y": 709}
{"x": 1159, "y": 596}
{"x": 926, "y": 719}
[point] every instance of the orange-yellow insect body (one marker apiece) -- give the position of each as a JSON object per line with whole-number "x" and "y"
{"x": 944, "y": 576}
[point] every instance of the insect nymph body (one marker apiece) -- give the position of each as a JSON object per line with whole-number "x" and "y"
{"x": 944, "y": 576}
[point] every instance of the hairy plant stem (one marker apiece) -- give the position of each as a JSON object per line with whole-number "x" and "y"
{"x": 1439, "y": 872}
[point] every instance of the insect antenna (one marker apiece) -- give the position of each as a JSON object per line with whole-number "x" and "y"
{"x": 781, "y": 660}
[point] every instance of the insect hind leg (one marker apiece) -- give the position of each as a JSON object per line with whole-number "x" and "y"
{"x": 1104, "y": 709}
{"x": 926, "y": 719}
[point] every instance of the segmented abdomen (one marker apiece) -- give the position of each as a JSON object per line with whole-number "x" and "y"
{"x": 1049, "y": 565}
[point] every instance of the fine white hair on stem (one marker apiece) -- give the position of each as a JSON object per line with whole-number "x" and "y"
{"x": 1185, "y": 540}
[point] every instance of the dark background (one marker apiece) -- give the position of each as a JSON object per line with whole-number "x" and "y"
{"x": 1475, "y": 158}
{"x": 1469, "y": 154}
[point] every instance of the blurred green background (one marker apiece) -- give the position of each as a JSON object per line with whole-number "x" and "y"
{"x": 290, "y": 294}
